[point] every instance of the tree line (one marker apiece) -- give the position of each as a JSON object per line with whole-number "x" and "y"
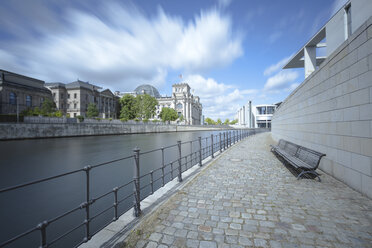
{"x": 210, "y": 121}
{"x": 143, "y": 107}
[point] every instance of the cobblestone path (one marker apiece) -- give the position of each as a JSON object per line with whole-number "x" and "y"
{"x": 247, "y": 198}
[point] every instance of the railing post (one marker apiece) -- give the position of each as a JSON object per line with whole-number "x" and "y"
{"x": 87, "y": 207}
{"x": 115, "y": 190}
{"x": 152, "y": 181}
{"x": 212, "y": 145}
{"x": 191, "y": 153}
{"x": 162, "y": 164}
{"x": 179, "y": 162}
{"x": 42, "y": 227}
{"x": 224, "y": 140}
{"x": 200, "y": 152}
{"x": 227, "y": 138}
{"x": 137, "y": 195}
{"x": 220, "y": 144}
{"x": 240, "y": 134}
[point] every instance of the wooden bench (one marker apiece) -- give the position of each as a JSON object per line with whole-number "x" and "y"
{"x": 300, "y": 157}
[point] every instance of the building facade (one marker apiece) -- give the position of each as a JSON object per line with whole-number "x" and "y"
{"x": 185, "y": 103}
{"x": 258, "y": 116}
{"x": 331, "y": 110}
{"x": 18, "y": 93}
{"x": 73, "y": 99}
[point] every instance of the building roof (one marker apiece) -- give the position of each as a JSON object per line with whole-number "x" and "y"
{"x": 81, "y": 84}
{"x": 147, "y": 89}
{"x": 54, "y": 85}
{"x": 297, "y": 60}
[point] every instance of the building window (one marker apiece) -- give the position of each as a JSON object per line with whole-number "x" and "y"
{"x": 86, "y": 97}
{"x": 28, "y": 101}
{"x": 261, "y": 110}
{"x": 68, "y": 105}
{"x": 62, "y": 106}
{"x": 12, "y": 98}
{"x": 54, "y": 95}
{"x": 74, "y": 114}
{"x": 270, "y": 110}
{"x": 62, "y": 95}
{"x": 74, "y": 105}
{"x": 179, "y": 106}
{"x": 68, "y": 96}
{"x": 347, "y": 21}
{"x": 75, "y": 95}
{"x": 41, "y": 101}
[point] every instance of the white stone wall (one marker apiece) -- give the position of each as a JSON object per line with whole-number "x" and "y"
{"x": 331, "y": 112}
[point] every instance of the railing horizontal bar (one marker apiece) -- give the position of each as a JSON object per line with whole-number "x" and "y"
{"x": 39, "y": 181}
{"x": 154, "y": 150}
{"x": 100, "y": 213}
{"x": 144, "y": 186}
{"x": 18, "y": 237}
{"x": 101, "y": 196}
{"x": 66, "y": 233}
{"x": 64, "y": 214}
{"x": 112, "y": 161}
{"x": 124, "y": 185}
{"x": 125, "y": 198}
{"x": 166, "y": 147}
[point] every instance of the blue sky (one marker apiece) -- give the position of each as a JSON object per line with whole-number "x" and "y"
{"x": 229, "y": 51}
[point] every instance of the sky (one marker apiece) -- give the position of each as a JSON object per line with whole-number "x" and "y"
{"x": 228, "y": 51}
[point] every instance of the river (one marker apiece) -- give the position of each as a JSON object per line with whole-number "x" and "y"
{"x": 27, "y": 160}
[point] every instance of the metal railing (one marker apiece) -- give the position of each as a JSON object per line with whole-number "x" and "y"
{"x": 165, "y": 173}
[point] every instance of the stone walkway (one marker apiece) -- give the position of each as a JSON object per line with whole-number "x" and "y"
{"x": 247, "y": 198}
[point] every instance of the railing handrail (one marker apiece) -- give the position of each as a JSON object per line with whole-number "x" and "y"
{"x": 221, "y": 142}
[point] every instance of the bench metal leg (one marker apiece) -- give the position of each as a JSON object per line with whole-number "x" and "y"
{"x": 308, "y": 172}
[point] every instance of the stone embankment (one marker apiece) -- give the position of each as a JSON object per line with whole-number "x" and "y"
{"x": 53, "y": 130}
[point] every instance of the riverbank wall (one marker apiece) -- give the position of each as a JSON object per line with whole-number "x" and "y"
{"x": 12, "y": 131}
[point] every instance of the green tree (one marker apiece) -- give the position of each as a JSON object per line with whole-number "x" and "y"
{"x": 48, "y": 107}
{"x": 128, "y": 107}
{"x": 168, "y": 114}
{"x": 145, "y": 106}
{"x": 209, "y": 121}
{"x": 233, "y": 122}
{"x": 227, "y": 122}
{"x": 219, "y": 122}
{"x": 92, "y": 110}
{"x": 181, "y": 118}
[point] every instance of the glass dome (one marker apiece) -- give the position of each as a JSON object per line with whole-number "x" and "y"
{"x": 147, "y": 89}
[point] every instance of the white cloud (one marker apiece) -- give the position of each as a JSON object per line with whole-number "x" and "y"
{"x": 224, "y": 3}
{"x": 281, "y": 80}
{"x": 121, "y": 46}
{"x": 219, "y": 100}
{"x": 275, "y": 36}
{"x": 275, "y": 67}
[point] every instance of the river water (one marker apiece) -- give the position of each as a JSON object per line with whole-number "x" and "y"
{"x": 27, "y": 160}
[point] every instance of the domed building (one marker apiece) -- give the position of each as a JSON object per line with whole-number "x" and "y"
{"x": 182, "y": 101}
{"x": 147, "y": 89}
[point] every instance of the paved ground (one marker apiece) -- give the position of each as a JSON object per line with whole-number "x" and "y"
{"x": 247, "y": 198}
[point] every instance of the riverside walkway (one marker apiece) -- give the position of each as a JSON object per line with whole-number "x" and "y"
{"x": 247, "y": 198}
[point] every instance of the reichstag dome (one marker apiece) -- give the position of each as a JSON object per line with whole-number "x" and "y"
{"x": 147, "y": 89}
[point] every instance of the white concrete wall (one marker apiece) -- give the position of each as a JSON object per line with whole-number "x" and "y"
{"x": 331, "y": 112}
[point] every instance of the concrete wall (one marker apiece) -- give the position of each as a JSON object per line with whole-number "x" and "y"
{"x": 39, "y": 130}
{"x": 331, "y": 112}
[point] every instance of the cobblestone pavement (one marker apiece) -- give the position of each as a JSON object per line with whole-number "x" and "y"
{"x": 247, "y": 198}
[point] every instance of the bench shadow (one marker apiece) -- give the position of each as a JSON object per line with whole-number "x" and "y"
{"x": 294, "y": 171}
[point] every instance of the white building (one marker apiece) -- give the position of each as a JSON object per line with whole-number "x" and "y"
{"x": 258, "y": 116}
{"x": 185, "y": 103}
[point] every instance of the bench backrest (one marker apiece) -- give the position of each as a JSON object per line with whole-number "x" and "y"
{"x": 310, "y": 157}
{"x": 282, "y": 144}
{"x": 291, "y": 148}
